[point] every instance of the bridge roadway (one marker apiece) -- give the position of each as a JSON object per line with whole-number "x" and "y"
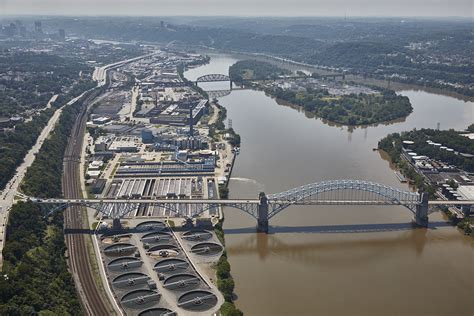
{"x": 264, "y": 208}
{"x": 243, "y": 201}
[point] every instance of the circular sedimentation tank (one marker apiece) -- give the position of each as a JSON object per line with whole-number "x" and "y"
{"x": 140, "y": 299}
{"x": 163, "y": 251}
{"x": 111, "y": 239}
{"x": 157, "y": 312}
{"x": 197, "y": 300}
{"x": 171, "y": 265}
{"x": 131, "y": 280}
{"x": 124, "y": 264}
{"x": 197, "y": 235}
{"x": 183, "y": 281}
{"x": 151, "y": 225}
{"x": 120, "y": 249}
{"x": 207, "y": 249}
{"x": 156, "y": 237}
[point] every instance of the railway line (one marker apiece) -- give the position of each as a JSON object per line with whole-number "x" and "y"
{"x": 93, "y": 300}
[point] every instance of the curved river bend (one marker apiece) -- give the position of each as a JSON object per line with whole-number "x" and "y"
{"x": 339, "y": 260}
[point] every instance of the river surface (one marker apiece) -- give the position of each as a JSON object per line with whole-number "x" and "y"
{"x": 336, "y": 260}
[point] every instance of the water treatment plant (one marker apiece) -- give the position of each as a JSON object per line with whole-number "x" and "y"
{"x": 152, "y": 268}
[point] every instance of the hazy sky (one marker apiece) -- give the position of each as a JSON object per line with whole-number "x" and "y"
{"x": 241, "y": 7}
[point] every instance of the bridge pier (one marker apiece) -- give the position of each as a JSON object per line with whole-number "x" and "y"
{"x": 262, "y": 220}
{"x": 116, "y": 224}
{"x": 466, "y": 210}
{"x": 421, "y": 214}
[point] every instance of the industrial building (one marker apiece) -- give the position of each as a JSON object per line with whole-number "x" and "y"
{"x": 178, "y": 114}
{"x": 125, "y": 144}
{"x": 99, "y": 186}
{"x": 179, "y": 187}
{"x": 166, "y": 168}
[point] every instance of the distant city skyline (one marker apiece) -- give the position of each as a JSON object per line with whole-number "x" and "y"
{"x": 422, "y": 8}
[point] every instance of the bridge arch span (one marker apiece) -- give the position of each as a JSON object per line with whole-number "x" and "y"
{"x": 213, "y": 78}
{"x": 311, "y": 194}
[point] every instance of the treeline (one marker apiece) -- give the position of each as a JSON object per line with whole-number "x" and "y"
{"x": 383, "y": 59}
{"x": 16, "y": 143}
{"x": 225, "y": 282}
{"x": 43, "y": 178}
{"x": 350, "y": 109}
{"x": 35, "y": 278}
{"x": 29, "y": 80}
{"x": 392, "y": 144}
{"x": 219, "y": 127}
{"x": 256, "y": 70}
{"x": 419, "y": 52}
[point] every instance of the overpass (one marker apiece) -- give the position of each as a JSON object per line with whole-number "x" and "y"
{"x": 263, "y": 208}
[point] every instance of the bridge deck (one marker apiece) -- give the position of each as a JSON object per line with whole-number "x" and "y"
{"x": 244, "y": 201}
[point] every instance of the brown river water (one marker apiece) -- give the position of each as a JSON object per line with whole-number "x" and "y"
{"x": 336, "y": 260}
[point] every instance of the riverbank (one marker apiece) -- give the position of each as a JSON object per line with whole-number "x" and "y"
{"x": 350, "y": 110}
{"x": 420, "y": 158}
{"x": 385, "y": 107}
{"x": 358, "y": 249}
{"x": 225, "y": 281}
{"x": 218, "y": 131}
{"x": 465, "y": 224}
{"x": 381, "y": 83}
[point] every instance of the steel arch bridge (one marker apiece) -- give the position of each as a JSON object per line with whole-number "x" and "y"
{"x": 213, "y": 78}
{"x": 334, "y": 192}
{"x": 343, "y": 193}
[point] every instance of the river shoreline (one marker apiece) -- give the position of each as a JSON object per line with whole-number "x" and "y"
{"x": 321, "y": 250}
{"x": 310, "y": 115}
{"x": 393, "y": 85}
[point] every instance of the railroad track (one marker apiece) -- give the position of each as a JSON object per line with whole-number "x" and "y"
{"x": 93, "y": 300}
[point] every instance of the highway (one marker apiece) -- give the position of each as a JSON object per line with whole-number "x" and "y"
{"x": 7, "y": 196}
{"x": 100, "y": 73}
{"x": 92, "y": 299}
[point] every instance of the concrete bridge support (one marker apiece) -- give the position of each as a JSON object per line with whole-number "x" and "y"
{"x": 116, "y": 225}
{"x": 421, "y": 214}
{"x": 262, "y": 220}
{"x": 466, "y": 209}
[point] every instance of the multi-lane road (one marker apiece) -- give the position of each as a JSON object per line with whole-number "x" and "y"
{"x": 79, "y": 260}
{"x": 79, "y": 201}
{"x": 7, "y": 196}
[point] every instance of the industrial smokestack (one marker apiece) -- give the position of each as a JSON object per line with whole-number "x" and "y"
{"x": 191, "y": 131}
